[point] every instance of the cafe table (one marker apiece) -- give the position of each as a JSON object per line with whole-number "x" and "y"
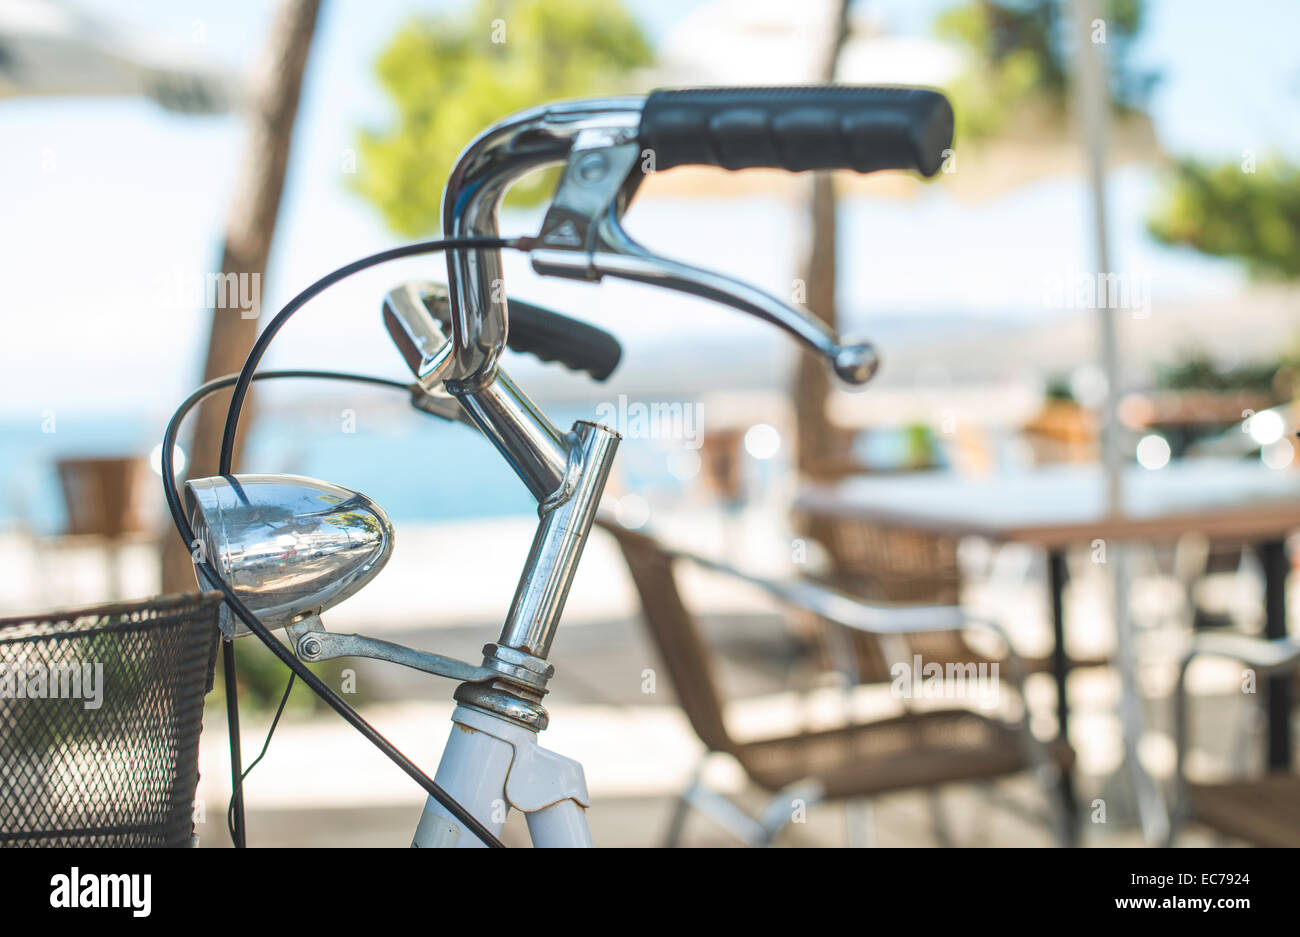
{"x": 1056, "y": 507}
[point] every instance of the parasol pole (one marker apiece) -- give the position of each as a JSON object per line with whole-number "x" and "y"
{"x": 1092, "y": 100}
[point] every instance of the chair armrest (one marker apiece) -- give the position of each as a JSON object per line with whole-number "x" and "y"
{"x": 1263, "y": 655}
{"x": 837, "y": 607}
{"x": 858, "y": 615}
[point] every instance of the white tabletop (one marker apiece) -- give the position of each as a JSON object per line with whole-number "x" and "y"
{"x": 1057, "y": 505}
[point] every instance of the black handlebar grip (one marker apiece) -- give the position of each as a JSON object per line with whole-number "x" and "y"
{"x": 553, "y": 337}
{"x": 797, "y": 129}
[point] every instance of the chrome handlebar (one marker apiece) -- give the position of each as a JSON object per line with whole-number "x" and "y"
{"x": 499, "y": 156}
{"x": 458, "y": 374}
{"x": 458, "y": 378}
{"x": 581, "y": 236}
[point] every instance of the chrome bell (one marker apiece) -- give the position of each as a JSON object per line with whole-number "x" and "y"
{"x": 289, "y": 546}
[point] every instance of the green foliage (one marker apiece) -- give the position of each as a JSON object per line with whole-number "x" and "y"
{"x": 918, "y": 446}
{"x": 1197, "y": 371}
{"x": 1227, "y": 212}
{"x": 1058, "y": 388}
{"x": 262, "y": 678}
{"x": 450, "y": 77}
{"x": 1022, "y": 52}
{"x": 65, "y": 720}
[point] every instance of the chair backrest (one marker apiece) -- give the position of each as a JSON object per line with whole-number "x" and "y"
{"x": 675, "y": 634}
{"x": 103, "y": 497}
{"x": 902, "y": 565}
{"x": 881, "y": 563}
{"x": 100, "y": 714}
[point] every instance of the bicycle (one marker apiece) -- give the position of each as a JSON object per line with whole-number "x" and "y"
{"x": 283, "y": 549}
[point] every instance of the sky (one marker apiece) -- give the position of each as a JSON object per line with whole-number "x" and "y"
{"x": 108, "y": 205}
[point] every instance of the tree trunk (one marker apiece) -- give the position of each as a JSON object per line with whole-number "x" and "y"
{"x": 273, "y": 106}
{"x": 823, "y": 449}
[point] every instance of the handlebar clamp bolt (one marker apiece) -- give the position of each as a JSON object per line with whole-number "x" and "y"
{"x": 592, "y": 167}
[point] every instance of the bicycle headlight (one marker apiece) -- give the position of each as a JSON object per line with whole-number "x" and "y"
{"x": 289, "y": 546}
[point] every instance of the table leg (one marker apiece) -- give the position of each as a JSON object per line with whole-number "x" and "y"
{"x": 1273, "y": 556}
{"x": 1056, "y": 575}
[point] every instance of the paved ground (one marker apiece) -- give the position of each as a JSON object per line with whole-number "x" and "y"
{"x": 446, "y": 590}
{"x": 902, "y": 820}
{"x": 323, "y": 785}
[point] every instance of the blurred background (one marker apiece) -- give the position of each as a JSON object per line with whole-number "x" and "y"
{"x": 174, "y": 173}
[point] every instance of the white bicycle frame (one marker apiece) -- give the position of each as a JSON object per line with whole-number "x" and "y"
{"x": 492, "y": 766}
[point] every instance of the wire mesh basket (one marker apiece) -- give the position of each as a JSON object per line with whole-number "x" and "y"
{"x": 100, "y": 715}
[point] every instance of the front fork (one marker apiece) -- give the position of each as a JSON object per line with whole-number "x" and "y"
{"x": 492, "y": 765}
{"x": 492, "y": 762}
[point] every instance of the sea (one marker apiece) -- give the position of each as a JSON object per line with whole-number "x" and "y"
{"x": 416, "y": 466}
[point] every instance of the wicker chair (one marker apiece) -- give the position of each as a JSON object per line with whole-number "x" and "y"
{"x": 111, "y": 759}
{"x": 881, "y": 563}
{"x": 1262, "y": 810}
{"x": 918, "y": 749}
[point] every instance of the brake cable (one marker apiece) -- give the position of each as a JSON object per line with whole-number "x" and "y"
{"x": 235, "y": 814}
{"x": 355, "y": 719}
{"x": 237, "y": 794}
{"x": 273, "y": 327}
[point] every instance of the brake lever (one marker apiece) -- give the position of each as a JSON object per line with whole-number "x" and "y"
{"x": 438, "y": 402}
{"x": 422, "y": 341}
{"x": 582, "y": 238}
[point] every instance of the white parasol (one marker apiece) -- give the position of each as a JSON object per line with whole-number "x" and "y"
{"x": 49, "y": 49}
